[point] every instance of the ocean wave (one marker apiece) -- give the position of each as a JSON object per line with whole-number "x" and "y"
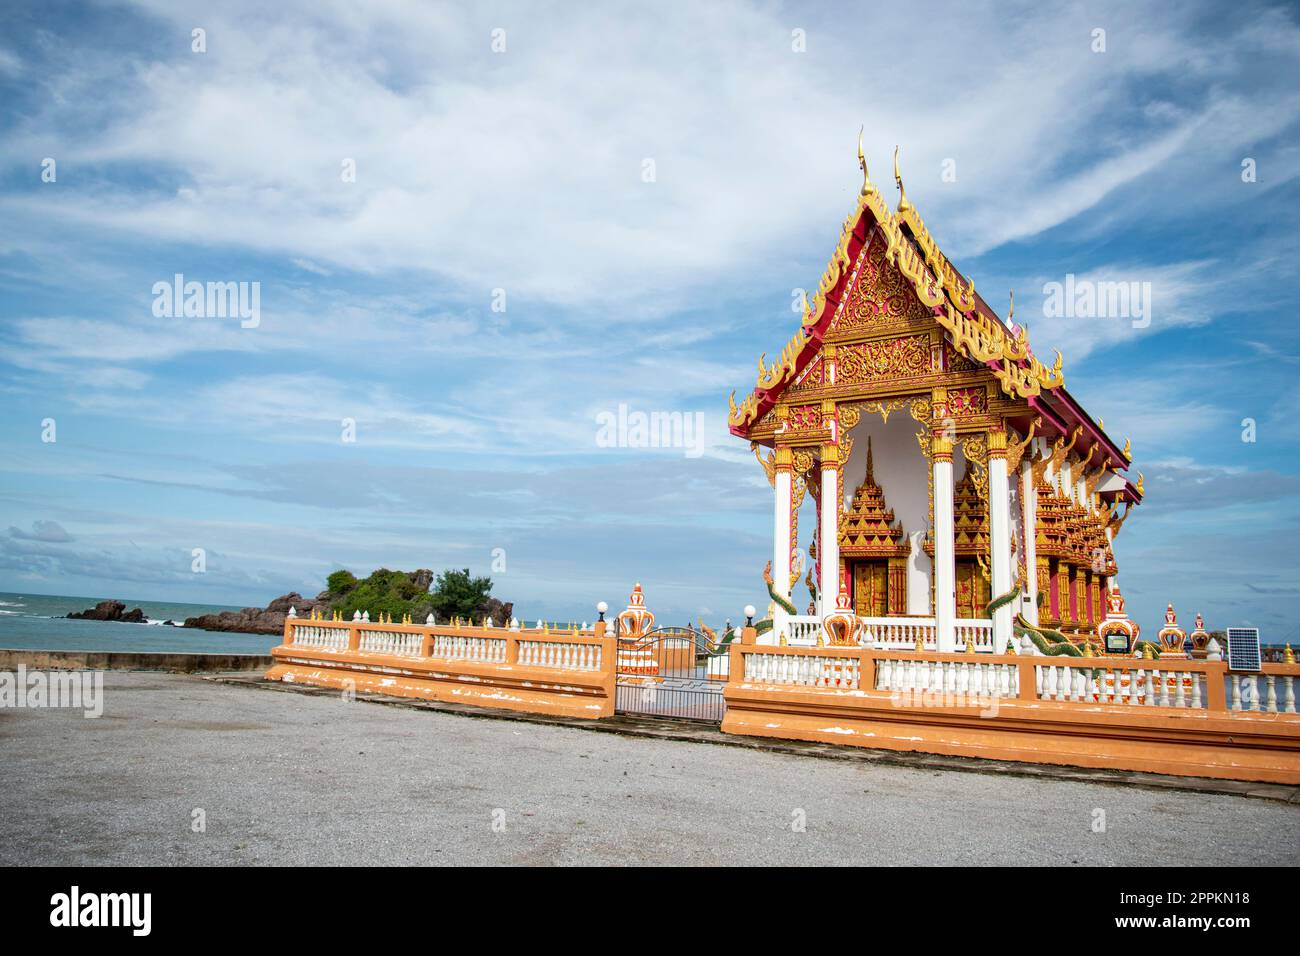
{"x": 12, "y": 604}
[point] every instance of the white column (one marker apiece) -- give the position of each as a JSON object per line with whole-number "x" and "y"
{"x": 945, "y": 567}
{"x": 781, "y": 544}
{"x": 1029, "y": 503}
{"x": 1000, "y": 537}
{"x": 830, "y": 543}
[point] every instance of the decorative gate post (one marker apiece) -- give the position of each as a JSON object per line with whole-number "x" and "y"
{"x": 637, "y": 661}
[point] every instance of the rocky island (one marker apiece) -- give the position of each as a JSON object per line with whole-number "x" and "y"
{"x": 394, "y": 592}
{"x": 110, "y": 611}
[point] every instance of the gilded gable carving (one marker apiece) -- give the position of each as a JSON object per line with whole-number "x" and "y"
{"x": 892, "y": 358}
{"x": 881, "y": 296}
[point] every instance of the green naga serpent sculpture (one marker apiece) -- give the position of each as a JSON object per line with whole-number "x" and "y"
{"x": 1050, "y": 642}
{"x": 760, "y": 627}
{"x": 765, "y": 625}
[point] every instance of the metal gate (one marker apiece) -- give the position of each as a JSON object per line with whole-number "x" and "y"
{"x": 672, "y": 672}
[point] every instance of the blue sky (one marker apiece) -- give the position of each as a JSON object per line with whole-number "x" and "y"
{"x": 523, "y": 171}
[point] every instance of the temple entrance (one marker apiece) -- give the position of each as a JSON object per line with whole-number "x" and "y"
{"x": 972, "y": 590}
{"x": 672, "y": 672}
{"x": 871, "y": 588}
{"x": 874, "y": 549}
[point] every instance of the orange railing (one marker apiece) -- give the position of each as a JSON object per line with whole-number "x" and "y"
{"x": 559, "y": 672}
{"x": 1181, "y": 716}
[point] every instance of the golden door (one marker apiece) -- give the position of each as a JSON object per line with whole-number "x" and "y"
{"x": 972, "y": 590}
{"x": 871, "y": 588}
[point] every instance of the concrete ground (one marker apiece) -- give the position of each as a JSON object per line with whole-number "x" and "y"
{"x": 310, "y": 779}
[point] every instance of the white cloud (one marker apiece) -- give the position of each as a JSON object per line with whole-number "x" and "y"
{"x": 517, "y": 169}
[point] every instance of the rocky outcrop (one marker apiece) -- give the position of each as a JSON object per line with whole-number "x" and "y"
{"x": 267, "y": 620}
{"x": 270, "y": 619}
{"x": 499, "y": 611}
{"x": 110, "y": 611}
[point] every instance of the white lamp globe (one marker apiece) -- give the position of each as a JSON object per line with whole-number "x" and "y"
{"x": 749, "y": 610}
{"x": 602, "y": 607}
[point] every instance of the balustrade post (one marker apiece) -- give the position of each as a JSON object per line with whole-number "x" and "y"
{"x": 354, "y": 638}
{"x": 1025, "y": 673}
{"x": 1215, "y": 696}
{"x": 866, "y": 669}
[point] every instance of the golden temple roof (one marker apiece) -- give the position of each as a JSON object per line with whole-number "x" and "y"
{"x": 974, "y": 328}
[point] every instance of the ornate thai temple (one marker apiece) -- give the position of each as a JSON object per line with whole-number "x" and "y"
{"x": 949, "y": 466}
{"x": 961, "y": 501}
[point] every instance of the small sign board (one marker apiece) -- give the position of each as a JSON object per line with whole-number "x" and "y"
{"x": 1117, "y": 643}
{"x": 1243, "y": 649}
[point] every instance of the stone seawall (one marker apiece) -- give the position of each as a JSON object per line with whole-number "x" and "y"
{"x": 131, "y": 661}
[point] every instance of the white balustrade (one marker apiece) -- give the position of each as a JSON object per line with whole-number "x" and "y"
{"x": 1087, "y": 680}
{"x": 1258, "y": 693}
{"x": 803, "y": 670}
{"x": 328, "y": 638}
{"x": 459, "y": 647}
{"x": 803, "y": 630}
{"x": 979, "y": 630}
{"x": 562, "y": 655}
{"x": 895, "y": 633}
{"x": 399, "y": 643}
{"x": 964, "y": 678}
{"x": 901, "y": 633}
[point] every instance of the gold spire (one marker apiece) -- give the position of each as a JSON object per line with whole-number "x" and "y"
{"x": 862, "y": 163}
{"x": 871, "y": 471}
{"x": 1011, "y": 311}
{"x": 903, "y": 204}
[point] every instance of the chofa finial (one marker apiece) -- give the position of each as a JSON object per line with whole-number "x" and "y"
{"x": 862, "y": 163}
{"x": 903, "y": 204}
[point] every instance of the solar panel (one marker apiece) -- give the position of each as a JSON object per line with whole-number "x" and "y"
{"x": 1243, "y": 649}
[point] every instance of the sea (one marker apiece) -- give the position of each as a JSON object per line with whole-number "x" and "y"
{"x": 39, "y": 621}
